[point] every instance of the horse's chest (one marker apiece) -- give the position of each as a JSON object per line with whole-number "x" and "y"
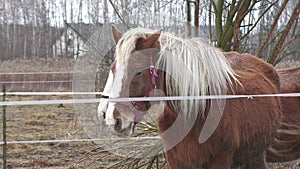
{"x": 191, "y": 153}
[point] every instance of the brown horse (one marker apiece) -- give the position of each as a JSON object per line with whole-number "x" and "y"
{"x": 237, "y": 132}
{"x": 286, "y": 146}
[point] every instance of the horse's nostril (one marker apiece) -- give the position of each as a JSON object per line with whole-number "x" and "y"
{"x": 103, "y": 115}
{"x": 118, "y": 125}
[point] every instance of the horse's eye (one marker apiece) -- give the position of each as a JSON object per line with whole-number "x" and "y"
{"x": 137, "y": 73}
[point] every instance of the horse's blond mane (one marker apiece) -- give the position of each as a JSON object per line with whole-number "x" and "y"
{"x": 193, "y": 68}
{"x": 126, "y": 44}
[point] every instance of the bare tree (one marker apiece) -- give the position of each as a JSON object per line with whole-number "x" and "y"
{"x": 235, "y": 13}
{"x": 196, "y": 17}
{"x": 105, "y": 11}
{"x": 280, "y": 43}
{"x": 25, "y": 18}
{"x": 94, "y": 12}
{"x": 268, "y": 36}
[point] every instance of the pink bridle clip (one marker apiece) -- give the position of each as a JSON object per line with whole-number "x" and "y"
{"x": 154, "y": 75}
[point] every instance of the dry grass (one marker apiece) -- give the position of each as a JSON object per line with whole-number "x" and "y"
{"x": 37, "y": 65}
{"x": 43, "y": 122}
{"x": 63, "y": 81}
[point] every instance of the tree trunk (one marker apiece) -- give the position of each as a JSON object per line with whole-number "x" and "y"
{"x": 218, "y": 9}
{"x": 196, "y": 17}
{"x": 236, "y": 12}
{"x": 210, "y": 37}
{"x": 241, "y": 13}
{"x": 77, "y": 36}
{"x": 188, "y": 17}
{"x": 34, "y": 25}
{"x": 8, "y": 38}
{"x": 105, "y": 11}
{"x": 25, "y": 15}
{"x": 66, "y": 41}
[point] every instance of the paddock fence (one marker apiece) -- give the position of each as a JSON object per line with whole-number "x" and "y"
{"x": 37, "y": 81}
{"x": 48, "y": 84}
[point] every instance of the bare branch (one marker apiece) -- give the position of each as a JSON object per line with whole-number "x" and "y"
{"x": 258, "y": 20}
{"x": 260, "y": 49}
{"x": 280, "y": 42}
{"x": 241, "y": 13}
{"x": 214, "y": 5}
{"x": 291, "y": 40}
{"x": 119, "y": 15}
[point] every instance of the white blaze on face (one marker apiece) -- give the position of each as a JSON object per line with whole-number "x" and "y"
{"x": 109, "y": 116}
{"x": 126, "y": 116}
{"x": 103, "y": 105}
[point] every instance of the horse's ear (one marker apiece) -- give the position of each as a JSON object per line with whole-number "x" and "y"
{"x": 116, "y": 33}
{"x": 149, "y": 42}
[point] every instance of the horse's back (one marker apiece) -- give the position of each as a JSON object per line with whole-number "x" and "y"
{"x": 247, "y": 63}
{"x": 290, "y": 83}
{"x": 290, "y": 79}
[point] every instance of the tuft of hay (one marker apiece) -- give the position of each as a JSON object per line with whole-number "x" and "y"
{"x": 145, "y": 154}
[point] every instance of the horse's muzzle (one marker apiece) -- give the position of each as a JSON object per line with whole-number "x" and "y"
{"x": 127, "y": 131}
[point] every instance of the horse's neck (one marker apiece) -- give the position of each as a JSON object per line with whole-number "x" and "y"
{"x": 168, "y": 117}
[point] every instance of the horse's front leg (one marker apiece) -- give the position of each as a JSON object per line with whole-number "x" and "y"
{"x": 258, "y": 162}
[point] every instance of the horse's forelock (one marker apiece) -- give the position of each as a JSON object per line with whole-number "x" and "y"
{"x": 127, "y": 43}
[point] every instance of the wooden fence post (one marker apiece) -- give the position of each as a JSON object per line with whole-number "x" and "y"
{"x": 4, "y": 127}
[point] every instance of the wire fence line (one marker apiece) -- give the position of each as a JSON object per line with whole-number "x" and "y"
{"x": 33, "y": 73}
{"x": 130, "y": 99}
{"x": 46, "y": 81}
{"x": 49, "y": 93}
{"x": 80, "y": 140}
{"x": 42, "y": 81}
{"x": 28, "y": 82}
